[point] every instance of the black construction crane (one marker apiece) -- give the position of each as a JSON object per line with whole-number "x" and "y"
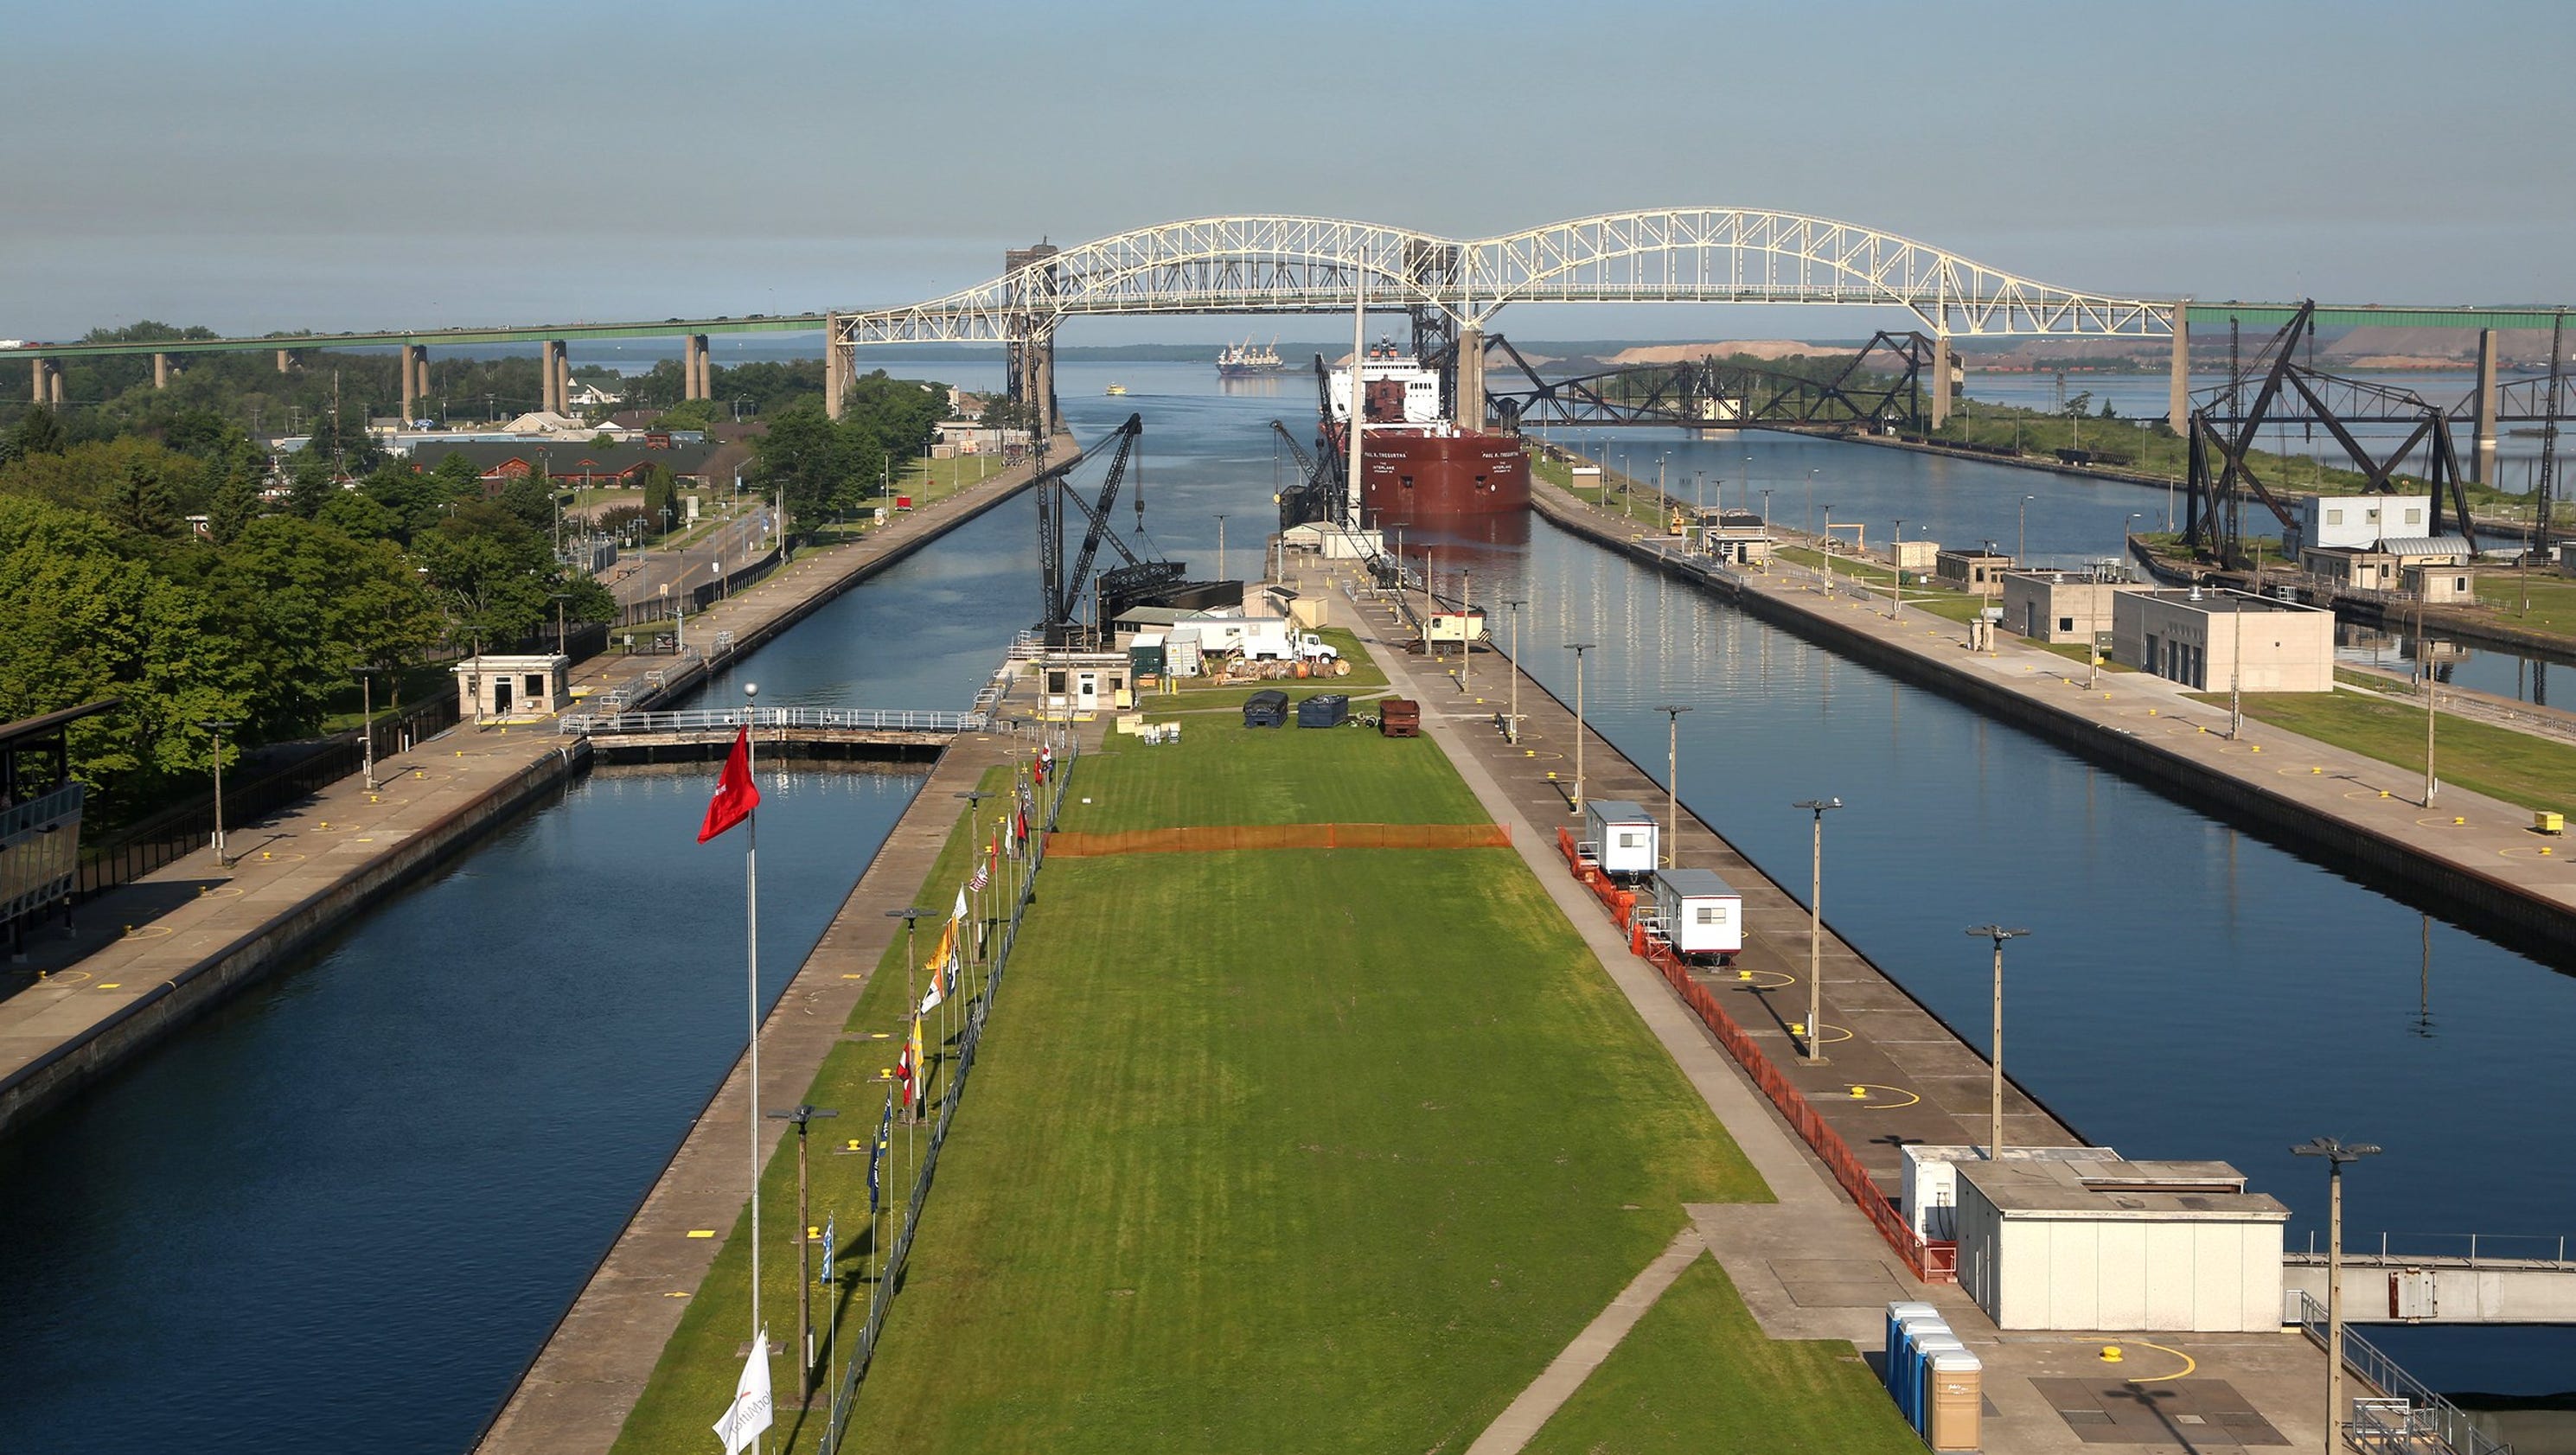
{"x": 1318, "y": 494}
{"x": 1140, "y": 579}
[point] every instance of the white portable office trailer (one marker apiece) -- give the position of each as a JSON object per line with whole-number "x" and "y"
{"x": 1624, "y": 835}
{"x": 1699, "y": 913}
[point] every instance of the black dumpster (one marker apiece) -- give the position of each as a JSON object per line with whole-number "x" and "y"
{"x": 1266, "y": 709}
{"x": 1324, "y": 709}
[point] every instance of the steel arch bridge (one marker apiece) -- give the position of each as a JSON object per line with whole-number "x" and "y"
{"x": 1280, "y": 264}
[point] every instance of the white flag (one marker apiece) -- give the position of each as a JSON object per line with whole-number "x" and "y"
{"x": 750, "y": 1413}
{"x": 961, "y": 911}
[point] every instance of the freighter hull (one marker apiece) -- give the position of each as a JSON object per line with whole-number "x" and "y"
{"x": 1408, "y": 475}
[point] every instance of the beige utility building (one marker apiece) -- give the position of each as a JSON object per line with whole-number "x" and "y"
{"x": 1980, "y": 573}
{"x": 493, "y": 686}
{"x": 2060, "y": 606}
{"x": 2048, "y": 1244}
{"x": 2194, "y": 637}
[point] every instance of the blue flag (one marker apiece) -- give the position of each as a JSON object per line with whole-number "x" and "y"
{"x": 829, "y": 1242}
{"x": 876, "y": 1154}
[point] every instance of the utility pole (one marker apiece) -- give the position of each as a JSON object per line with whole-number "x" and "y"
{"x": 2336, "y": 1153}
{"x": 1896, "y": 558}
{"x": 1578, "y": 649}
{"x": 1220, "y": 545}
{"x": 1512, "y": 734}
{"x": 217, "y": 725}
{"x": 1672, "y": 784}
{"x": 1466, "y": 628}
{"x": 1816, "y": 930}
{"x": 802, "y": 1114}
{"x": 1998, "y": 934}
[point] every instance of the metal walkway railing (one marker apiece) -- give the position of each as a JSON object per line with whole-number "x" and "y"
{"x": 2409, "y": 1418}
{"x": 585, "y": 724}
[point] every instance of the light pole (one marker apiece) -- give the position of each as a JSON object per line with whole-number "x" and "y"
{"x": 1766, "y": 531}
{"x": 2236, "y": 672}
{"x": 2424, "y": 669}
{"x": 1220, "y": 545}
{"x": 367, "y": 714}
{"x": 1512, "y": 734}
{"x": 2336, "y": 1152}
{"x": 1466, "y": 634}
{"x": 2021, "y": 543}
{"x": 1816, "y": 929}
{"x": 216, "y": 725}
{"x": 910, "y": 914}
{"x": 1672, "y": 783}
{"x": 1578, "y": 649}
{"x": 1896, "y": 558}
{"x": 1825, "y": 548}
{"x": 800, "y": 1115}
{"x": 1998, "y": 934}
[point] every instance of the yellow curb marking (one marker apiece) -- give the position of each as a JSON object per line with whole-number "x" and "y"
{"x": 702, "y": 1232}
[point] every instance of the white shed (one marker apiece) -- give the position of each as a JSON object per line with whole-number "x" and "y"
{"x": 1699, "y": 913}
{"x": 1623, "y": 837}
{"x": 2127, "y": 1246}
{"x": 494, "y": 686}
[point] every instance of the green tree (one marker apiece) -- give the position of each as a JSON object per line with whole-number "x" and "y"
{"x": 140, "y": 502}
{"x": 809, "y": 460}
{"x": 40, "y": 432}
{"x": 661, "y": 499}
{"x": 491, "y": 573}
{"x": 688, "y": 414}
{"x": 531, "y": 498}
{"x": 235, "y": 506}
{"x": 357, "y": 515}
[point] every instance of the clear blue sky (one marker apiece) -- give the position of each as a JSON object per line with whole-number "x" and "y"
{"x": 251, "y": 166}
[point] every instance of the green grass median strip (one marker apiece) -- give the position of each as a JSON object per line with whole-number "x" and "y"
{"x": 2517, "y": 767}
{"x": 1222, "y": 772}
{"x": 1696, "y": 1374}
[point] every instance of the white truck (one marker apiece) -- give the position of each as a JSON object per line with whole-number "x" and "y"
{"x": 1264, "y": 639}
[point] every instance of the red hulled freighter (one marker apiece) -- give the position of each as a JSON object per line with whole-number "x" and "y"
{"x": 1416, "y": 464}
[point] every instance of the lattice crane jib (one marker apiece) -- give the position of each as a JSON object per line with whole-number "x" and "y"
{"x": 1061, "y": 586}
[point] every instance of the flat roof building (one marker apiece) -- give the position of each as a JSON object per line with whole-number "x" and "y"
{"x": 1979, "y": 573}
{"x": 2060, "y": 606}
{"x": 2351, "y": 522}
{"x": 2051, "y": 1244}
{"x": 2194, "y": 637}
{"x": 501, "y": 687}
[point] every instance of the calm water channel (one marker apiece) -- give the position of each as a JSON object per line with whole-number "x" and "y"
{"x": 358, "y": 1198}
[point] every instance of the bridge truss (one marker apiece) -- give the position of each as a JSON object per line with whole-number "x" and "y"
{"x": 1881, "y": 384}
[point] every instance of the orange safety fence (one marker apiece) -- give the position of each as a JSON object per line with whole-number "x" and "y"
{"x": 1934, "y": 1261}
{"x": 1213, "y": 838}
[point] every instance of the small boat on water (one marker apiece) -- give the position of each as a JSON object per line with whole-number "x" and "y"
{"x": 1117, "y": 390}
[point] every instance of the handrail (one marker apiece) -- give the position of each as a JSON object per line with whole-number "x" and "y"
{"x": 2424, "y": 1412}
{"x": 704, "y": 719}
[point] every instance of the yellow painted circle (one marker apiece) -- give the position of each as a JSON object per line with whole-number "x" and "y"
{"x": 1762, "y": 980}
{"x": 1873, "y": 1101}
{"x": 2535, "y": 855}
{"x": 222, "y": 891}
{"x": 1833, "y": 1034}
{"x": 2443, "y": 821}
{"x": 68, "y": 979}
{"x": 271, "y": 856}
{"x": 147, "y": 932}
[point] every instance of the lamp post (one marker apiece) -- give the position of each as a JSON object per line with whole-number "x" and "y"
{"x": 367, "y": 727}
{"x": 799, "y": 1116}
{"x": 974, "y": 817}
{"x": 1825, "y": 548}
{"x": 1998, "y": 934}
{"x": 1816, "y": 929}
{"x": 910, "y": 914}
{"x": 1672, "y": 783}
{"x": 1578, "y": 649}
{"x": 216, "y": 725}
{"x": 559, "y": 598}
{"x": 1466, "y": 634}
{"x": 1220, "y": 545}
{"x": 1512, "y": 733}
{"x": 1766, "y": 531}
{"x": 2336, "y": 1152}
{"x": 2021, "y": 543}
{"x": 1896, "y": 558}
{"x": 2424, "y": 669}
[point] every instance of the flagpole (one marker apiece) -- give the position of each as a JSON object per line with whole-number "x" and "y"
{"x": 751, "y": 942}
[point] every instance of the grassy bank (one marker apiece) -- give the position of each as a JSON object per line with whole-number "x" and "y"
{"x": 2516, "y": 767}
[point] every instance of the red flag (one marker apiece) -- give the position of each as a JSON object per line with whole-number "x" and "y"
{"x": 736, "y": 795}
{"x": 1024, "y": 826}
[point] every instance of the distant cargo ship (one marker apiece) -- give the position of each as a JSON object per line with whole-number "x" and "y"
{"x": 1243, "y": 360}
{"x": 1415, "y": 463}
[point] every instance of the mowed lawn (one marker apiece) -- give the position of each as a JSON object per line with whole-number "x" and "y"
{"x": 2519, "y": 768}
{"x": 1221, "y": 772}
{"x": 1668, "y": 1388}
{"x": 1285, "y": 1151}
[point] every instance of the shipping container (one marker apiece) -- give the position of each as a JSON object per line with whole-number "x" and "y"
{"x": 1623, "y": 837}
{"x": 1181, "y": 652}
{"x": 1700, "y": 914}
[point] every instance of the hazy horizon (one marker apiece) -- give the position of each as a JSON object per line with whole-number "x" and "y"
{"x": 293, "y": 164}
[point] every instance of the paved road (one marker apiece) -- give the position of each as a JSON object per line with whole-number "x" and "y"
{"x": 729, "y": 547}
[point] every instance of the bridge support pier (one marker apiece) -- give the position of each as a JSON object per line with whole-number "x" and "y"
{"x": 160, "y": 371}
{"x": 694, "y": 381}
{"x": 2482, "y": 459}
{"x": 286, "y": 361}
{"x": 1940, "y": 407}
{"x": 39, "y": 366}
{"x": 556, "y": 365}
{"x": 415, "y": 380}
{"x": 1471, "y": 377}
{"x": 837, "y": 365}
{"x": 2178, "y": 386}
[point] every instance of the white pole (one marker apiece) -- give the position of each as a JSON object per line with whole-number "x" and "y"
{"x": 751, "y": 942}
{"x": 1359, "y": 350}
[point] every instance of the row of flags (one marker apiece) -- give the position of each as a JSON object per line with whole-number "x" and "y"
{"x": 736, "y": 795}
